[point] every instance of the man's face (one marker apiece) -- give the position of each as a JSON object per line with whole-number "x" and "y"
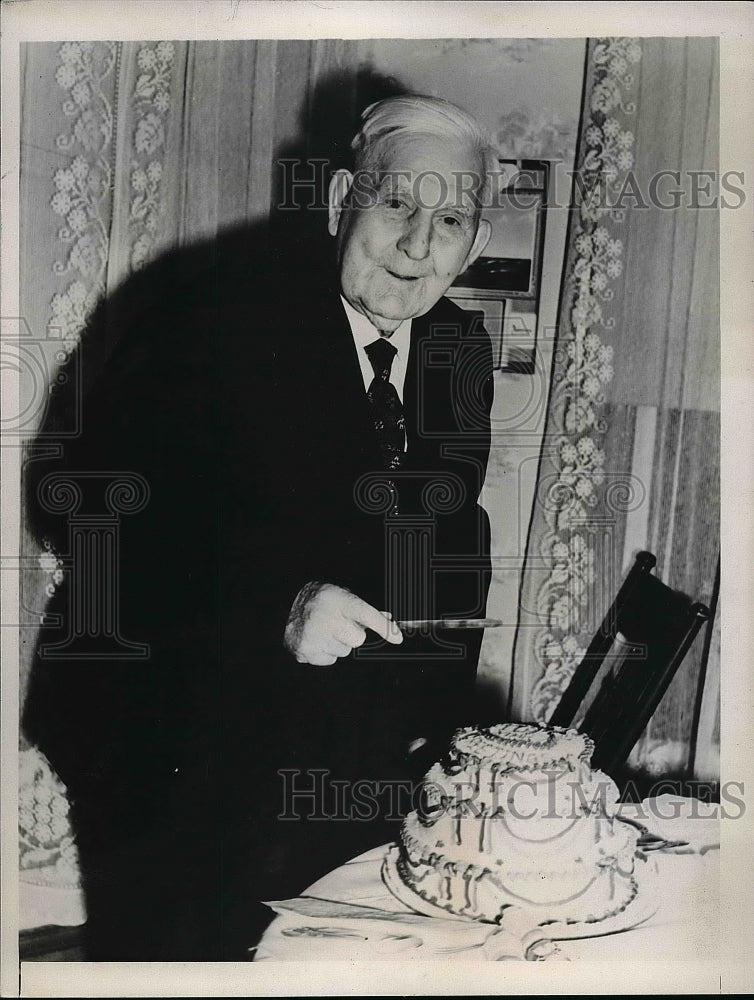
{"x": 414, "y": 234}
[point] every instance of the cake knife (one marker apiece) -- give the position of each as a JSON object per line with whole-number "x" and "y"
{"x": 451, "y": 623}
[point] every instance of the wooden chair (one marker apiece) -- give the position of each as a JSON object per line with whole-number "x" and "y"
{"x": 642, "y": 641}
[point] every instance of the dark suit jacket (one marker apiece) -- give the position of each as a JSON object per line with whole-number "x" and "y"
{"x": 231, "y": 385}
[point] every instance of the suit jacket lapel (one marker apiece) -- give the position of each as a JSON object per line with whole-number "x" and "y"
{"x": 342, "y": 385}
{"x": 426, "y": 390}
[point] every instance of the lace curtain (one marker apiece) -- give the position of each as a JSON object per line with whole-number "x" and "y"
{"x": 631, "y": 451}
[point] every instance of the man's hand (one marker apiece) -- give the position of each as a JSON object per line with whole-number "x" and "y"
{"x": 327, "y": 622}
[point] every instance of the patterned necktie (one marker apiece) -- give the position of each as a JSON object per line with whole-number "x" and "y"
{"x": 387, "y": 410}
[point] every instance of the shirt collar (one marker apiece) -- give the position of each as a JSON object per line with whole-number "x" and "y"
{"x": 365, "y": 332}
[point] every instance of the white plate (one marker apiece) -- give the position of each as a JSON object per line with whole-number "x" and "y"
{"x": 530, "y": 926}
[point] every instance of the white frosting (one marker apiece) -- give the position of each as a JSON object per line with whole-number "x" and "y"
{"x": 519, "y": 747}
{"x": 516, "y": 816}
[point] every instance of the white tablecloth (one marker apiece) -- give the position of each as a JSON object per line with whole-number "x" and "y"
{"x": 684, "y": 926}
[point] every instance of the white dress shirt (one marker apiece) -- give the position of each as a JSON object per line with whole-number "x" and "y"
{"x": 365, "y": 333}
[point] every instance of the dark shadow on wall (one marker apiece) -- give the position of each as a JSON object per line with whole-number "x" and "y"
{"x": 327, "y": 124}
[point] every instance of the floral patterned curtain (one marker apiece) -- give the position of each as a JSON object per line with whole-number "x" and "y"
{"x": 630, "y": 458}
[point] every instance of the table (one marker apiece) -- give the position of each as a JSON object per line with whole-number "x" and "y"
{"x": 684, "y": 926}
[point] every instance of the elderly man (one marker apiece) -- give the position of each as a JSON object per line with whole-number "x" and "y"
{"x": 403, "y": 236}
{"x": 314, "y": 440}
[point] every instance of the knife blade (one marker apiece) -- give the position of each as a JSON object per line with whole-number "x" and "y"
{"x": 450, "y": 623}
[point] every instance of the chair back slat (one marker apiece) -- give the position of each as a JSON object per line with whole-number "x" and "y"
{"x": 600, "y": 645}
{"x": 618, "y": 740}
{"x": 648, "y": 630}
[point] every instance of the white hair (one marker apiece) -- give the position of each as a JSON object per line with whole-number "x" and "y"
{"x": 387, "y": 121}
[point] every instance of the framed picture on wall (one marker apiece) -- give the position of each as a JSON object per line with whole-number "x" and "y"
{"x": 504, "y": 282}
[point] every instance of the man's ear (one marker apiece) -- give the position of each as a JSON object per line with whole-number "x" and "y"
{"x": 482, "y": 238}
{"x": 339, "y": 188}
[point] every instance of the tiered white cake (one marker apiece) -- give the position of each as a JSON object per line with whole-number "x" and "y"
{"x": 516, "y": 816}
